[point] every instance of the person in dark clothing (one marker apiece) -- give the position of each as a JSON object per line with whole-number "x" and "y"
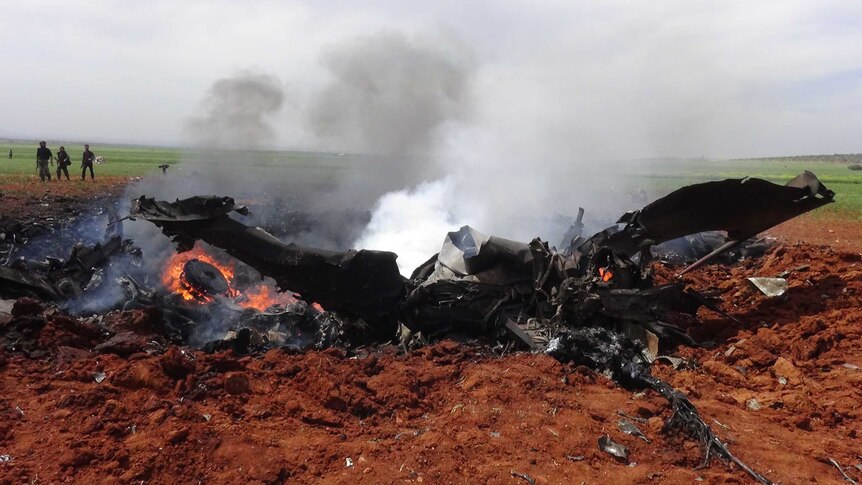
{"x": 43, "y": 158}
{"x": 63, "y": 161}
{"x": 10, "y": 154}
{"x": 87, "y": 162}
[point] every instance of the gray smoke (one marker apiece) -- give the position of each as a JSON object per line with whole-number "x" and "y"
{"x": 393, "y": 97}
{"x": 228, "y": 134}
{"x": 234, "y": 112}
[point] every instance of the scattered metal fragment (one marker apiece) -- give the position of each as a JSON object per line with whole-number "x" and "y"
{"x": 613, "y": 448}
{"x": 721, "y": 424}
{"x": 632, "y": 418}
{"x": 348, "y": 462}
{"x": 524, "y": 476}
{"x": 770, "y": 287}
{"x": 676, "y": 362}
{"x": 628, "y": 427}
{"x": 99, "y": 377}
{"x": 753, "y": 404}
{"x": 5, "y": 458}
{"x": 576, "y": 458}
{"x": 841, "y": 470}
{"x": 686, "y": 418}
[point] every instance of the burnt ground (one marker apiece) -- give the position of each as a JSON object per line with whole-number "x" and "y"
{"x": 783, "y": 387}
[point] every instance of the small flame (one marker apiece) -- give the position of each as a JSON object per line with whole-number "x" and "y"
{"x": 605, "y": 274}
{"x": 264, "y": 297}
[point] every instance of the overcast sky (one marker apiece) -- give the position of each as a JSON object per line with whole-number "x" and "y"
{"x": 600, "y": 78}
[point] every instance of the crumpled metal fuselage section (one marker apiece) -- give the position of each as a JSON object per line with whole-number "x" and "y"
{"x": 477, "y": 282}
{"x": 356, "y": 284}
{"x": 590, "y": 304}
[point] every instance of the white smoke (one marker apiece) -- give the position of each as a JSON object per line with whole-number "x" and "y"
{"x": 413, "y": 221}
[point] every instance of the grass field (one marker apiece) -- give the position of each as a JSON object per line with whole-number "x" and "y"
{"x": 121, "y": 160}
{"x": 657, "y": 177}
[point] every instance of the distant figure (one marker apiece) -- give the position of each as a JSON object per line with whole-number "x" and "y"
{"x": 10, "y": 154}
{"x": 164, "y": 168}
{"x": 87, "y": 162}
{"x": 43, "y": 158}
{"x": 63, "y": 161}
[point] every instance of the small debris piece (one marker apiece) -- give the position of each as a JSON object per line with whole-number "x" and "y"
{"x": 99, "y": 377}
{"x": 207, "y": 417}
{"x": 753, "y": 404}
{"x": 5, "y": 458}
{"x": 495, "y": 434}
{"x": 613, "y": 448}
{"x": 576, "y": 458}
{"x": 771, "y": 287}
{"x": 236, "y": 383}
{"x": 628, "y": 427}
{"x": 676, "y": 362}
{"x": 528, "y": 478}
{"x": 348, "y": 462}
{"x": 846, "y": 478}
{"x": 847, "y": 365}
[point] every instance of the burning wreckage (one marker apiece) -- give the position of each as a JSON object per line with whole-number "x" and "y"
{"x": 592, "y": 302}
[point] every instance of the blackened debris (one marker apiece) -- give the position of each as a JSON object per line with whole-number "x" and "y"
{"x": 593, "y": 303}
{"x": 357, "y": 284}
{"x": 741, "y": 207}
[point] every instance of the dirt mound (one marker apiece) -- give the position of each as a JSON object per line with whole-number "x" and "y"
{"x": 89, "y": 400}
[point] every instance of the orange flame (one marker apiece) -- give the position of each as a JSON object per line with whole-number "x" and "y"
{"x": 263, "y": 297}
{"x": 259, "y": 297}
{"x": 605, "y": 274}
{"x": 172, "y": 274}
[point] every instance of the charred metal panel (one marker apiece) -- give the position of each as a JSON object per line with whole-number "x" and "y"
{"x": 741, "y": 207}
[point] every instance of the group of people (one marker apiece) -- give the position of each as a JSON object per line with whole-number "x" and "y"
{"x": 44, "y": 157}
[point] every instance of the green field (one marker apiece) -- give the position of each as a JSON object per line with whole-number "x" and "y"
{"x": 121, "y": 160}
{"x": 657, "y": 177}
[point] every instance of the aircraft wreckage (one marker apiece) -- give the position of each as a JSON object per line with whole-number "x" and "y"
{"x": 592, "y": 302}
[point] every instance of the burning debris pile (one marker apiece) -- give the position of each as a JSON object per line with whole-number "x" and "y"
{"x": 591, "y": 302}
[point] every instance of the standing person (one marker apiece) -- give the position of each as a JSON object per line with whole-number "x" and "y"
{"x": 87, "y": 162}
{"x": 10, "y": 154}
{"x": 43, "y": 157}
{"x": 63, "y": 161}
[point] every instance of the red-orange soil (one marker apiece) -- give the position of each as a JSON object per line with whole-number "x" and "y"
{"x": 448, "y": 413}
